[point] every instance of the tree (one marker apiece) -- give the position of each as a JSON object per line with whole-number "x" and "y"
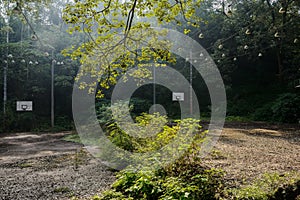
{"x": 114, "y": 28}
{"x": 256, "y": 47}
{"x": 29, "y": 62}
{"x": 254, "y": 30}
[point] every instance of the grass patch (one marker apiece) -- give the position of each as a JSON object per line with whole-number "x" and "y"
{"x": 62, "y": 190}
{"x": 265, "y": 188}
{"x": 217, "y": 154}
{"x": 92, "y": 139}
{"x": 72, "y": 138}
{"x": 237, "y": 119}
{"x": 25, "y": 165}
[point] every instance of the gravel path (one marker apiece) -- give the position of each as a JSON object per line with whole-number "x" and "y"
{"x": 42, "y": 166}
{"x": 247, "y": 151}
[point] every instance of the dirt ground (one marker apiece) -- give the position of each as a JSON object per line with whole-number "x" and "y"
{"x": 245, "y": 151}
{"x": 43, "y": 166}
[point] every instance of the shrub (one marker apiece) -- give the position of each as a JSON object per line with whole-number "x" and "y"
{"x": 286, "y": 108}
{"x": 195, "y": 183}
{"x": 119, "y": 138}
{"x": 149, "y": 133}
{"x": 103, "y": 112}
{"x": 63, "y": 123}
{"x": 139, "y": 106}
{"x": 183, "y": 179}
{"x": 240, "y": 107}
{"x": 287, "y": 192}
{"x": 136, "y": 108}
{"x": 271, "y": 186}
{"x": 186, "y": 178}
{"x": 264, "y": 113}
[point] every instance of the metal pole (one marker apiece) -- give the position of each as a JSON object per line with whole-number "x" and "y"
{"x": 52, "y": 90}
{"x": 5, "y": 70}
{"x": 5, "y": 84}
{"x": 191, "y": 86}
{"x": 154, "y": 89}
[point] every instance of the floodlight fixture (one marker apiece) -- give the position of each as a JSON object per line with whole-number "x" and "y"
{"x": 34, "y": 37}
{"x": 281, "y": 10}
{"x": 17, "y": 10}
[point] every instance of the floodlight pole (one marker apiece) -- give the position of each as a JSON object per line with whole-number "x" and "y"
{"x": 191, "y": 87}
{"x": 5, "y": 67}
{"x": 154, "y": 89}
{"x": 5, "y": 76}
{"x": 52, "y": 89}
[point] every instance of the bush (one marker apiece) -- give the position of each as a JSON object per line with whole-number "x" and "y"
{"x": 286, "y": 108}
{"x": 271, "y": 186}
{"x": 183, "y": 179}
{"x": 186, "y": 178}
{"x": 264, "y": 113}
{"x": 139, "y": 106}
{"x": 18, "y": 121}
{"x": 287, "y": 192}
{"x": 30, "y": 121}
{"x": 191, "y": 181}
{"x": 240, "y": 107}
{"x": 63, "y": 123}
{"x": 136, "y": 108}
{"x": 149, "y": 133}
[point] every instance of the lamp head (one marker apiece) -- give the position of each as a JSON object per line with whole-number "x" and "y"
{"x": 34, "y": 37}
{"x": 281, "y": 10}
{"x": 17, "y": 10}
{"x": 229, "y": 13}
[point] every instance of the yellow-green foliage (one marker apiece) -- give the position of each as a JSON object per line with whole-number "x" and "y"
{"x": 149, "y": 131}
{"x": 181, "y": 180}
{"x": 184, "y": 178}
{"x": 263, "y": 188}
{"x": 114, "y": 34}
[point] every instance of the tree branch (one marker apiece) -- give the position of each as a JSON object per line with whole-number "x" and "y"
{"x": 106, "y": 8}
{"x": 272, "y": 12}
{"x": 130, "y": 18}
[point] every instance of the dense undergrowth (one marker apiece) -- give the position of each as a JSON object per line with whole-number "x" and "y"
{"x": 186, "y": 177}
{"x": 268, "y": 104}
{"x": 271, "y": 186}
{"x": 183, "y": 179}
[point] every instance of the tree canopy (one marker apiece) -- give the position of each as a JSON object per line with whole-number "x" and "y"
{"x": 253, "y": 43}
{"x": 117, "y": 27}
